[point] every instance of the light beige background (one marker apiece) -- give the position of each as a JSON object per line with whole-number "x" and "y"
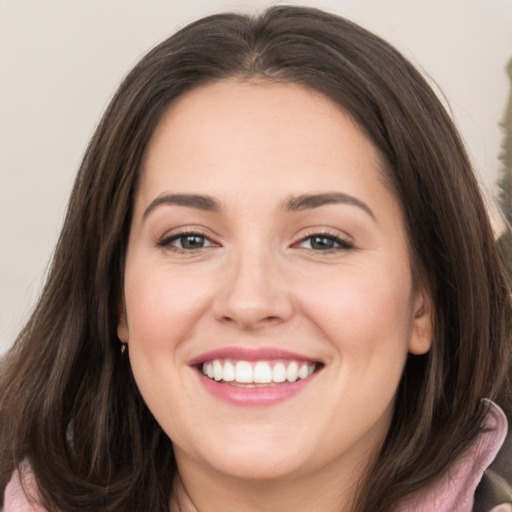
{"x": 61, "y": 60}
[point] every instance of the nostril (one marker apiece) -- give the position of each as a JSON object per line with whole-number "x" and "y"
{"x": 251, "y": 323}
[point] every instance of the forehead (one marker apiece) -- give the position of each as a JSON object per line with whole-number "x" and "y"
{"x": 261, "y": 130}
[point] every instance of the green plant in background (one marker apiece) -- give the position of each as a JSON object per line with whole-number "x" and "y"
{"x": 505, "y": 180}
{"x": 496, "y": 485}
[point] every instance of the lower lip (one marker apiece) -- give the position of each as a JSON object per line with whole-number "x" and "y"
{"x": 246, "y": 396}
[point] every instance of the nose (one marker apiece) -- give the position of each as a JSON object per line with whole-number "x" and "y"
{"x": 254, "y": 293}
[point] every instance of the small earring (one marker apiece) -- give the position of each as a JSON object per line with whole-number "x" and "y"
{"x": 123, "y": 349}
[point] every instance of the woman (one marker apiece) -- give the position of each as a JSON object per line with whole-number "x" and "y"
{"x": 276, "y": 288}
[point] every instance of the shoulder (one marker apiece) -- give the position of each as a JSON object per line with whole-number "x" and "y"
{"x": 458, "y": 487}
{"x": 496, "y": 484}
{"x": 21, "y": 493}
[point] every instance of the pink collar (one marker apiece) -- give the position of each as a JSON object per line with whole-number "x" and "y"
{"x": 454, "y": 490}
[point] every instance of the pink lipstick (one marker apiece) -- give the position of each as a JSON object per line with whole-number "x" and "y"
{"x": 254, "y": 376}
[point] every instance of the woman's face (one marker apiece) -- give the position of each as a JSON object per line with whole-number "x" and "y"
{"x": 268, "y": 300}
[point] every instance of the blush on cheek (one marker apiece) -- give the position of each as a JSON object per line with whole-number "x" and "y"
{"x": 159, "y": 302}
{"x": 364, "y": 311}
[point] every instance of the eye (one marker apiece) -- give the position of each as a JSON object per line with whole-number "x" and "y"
{"x": 325, "y": 242}
{"x": 186, "y": 241}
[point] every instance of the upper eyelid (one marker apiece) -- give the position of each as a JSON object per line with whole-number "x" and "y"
{"x": 344, "y": 240}
{"x": 343, "y": 237}
{"x": 344, "y": 244}
{"x": 166, "y": 240}
{"x": 328, "y": 232}
{"x": 188, "y": 230}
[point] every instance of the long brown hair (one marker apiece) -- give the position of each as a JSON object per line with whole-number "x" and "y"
{"x": 69, "y": 404}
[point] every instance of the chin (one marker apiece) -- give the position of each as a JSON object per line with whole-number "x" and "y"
{"x": 260, "y": 468}
{"x": 255, "y": 459}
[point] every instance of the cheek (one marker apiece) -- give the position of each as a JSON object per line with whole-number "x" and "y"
{"x": 162, "y": 305}
{"x": 363, "y": 308}
{"x": 367, "y": 319}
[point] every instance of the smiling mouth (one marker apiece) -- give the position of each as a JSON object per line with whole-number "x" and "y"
{"x": 257, "y": 373}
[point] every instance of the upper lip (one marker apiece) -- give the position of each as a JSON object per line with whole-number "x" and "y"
{"x": 250, "y": 354}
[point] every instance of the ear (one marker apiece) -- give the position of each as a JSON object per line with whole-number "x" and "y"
{"x": 122, "y": 322}
{"x": 422, "y": 327}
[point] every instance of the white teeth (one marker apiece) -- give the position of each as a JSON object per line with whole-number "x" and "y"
{"x": 229, "y": 372}
{"x": 243, "y": 372}
{"x": 292, "y": 372}
{"x": 303, "y": 371}
{"x": 279, "y": 373}
{"x": 261, "y": 372}
{"x": 217, "y": 370}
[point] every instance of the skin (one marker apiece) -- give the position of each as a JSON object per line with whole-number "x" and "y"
{"x": 261, "y": 279}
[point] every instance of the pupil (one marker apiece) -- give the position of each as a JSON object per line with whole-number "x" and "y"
{"x": 192, "y": 242}
{"x": 322, "y": 242}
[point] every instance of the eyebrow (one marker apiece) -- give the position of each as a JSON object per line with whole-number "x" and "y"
{"x": 308, "y": 201}
{"x": 196, "y": 201}
{"x": 293, "y": 204}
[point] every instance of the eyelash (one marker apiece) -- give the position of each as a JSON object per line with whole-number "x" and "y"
{"x": 340, "y": 243}
{"x": 167, "y": 241}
